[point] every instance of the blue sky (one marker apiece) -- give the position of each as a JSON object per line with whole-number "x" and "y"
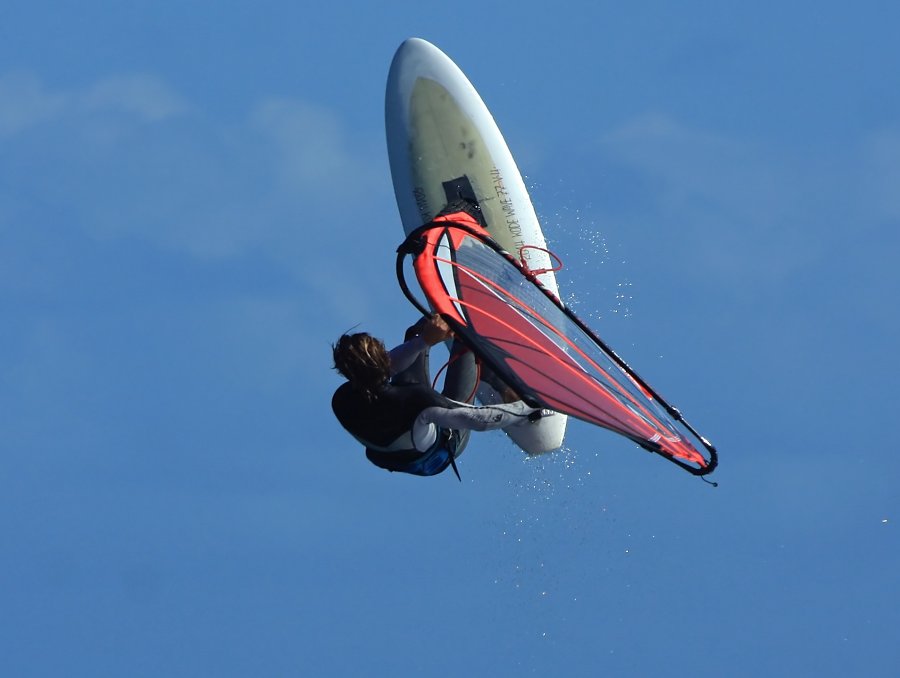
{"x": 195, "y": 201}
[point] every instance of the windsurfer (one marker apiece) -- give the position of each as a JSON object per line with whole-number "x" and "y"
{"x": 388, "y": 404}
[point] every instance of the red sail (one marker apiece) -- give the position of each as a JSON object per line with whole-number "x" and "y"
{"x": 540, "y": 348}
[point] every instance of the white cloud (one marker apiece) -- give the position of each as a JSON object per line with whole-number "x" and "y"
{"x": 130, "y": 157}
{"x": 311, "y": 150}
{"x": 24, "y": 102}
{"x": 145, "y": 97}
{"x": 691, "y": 162}
{"x": 753, "y": 211}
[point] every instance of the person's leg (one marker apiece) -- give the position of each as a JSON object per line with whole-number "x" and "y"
{"x": 418, "y": 371}
{"x": 502, "y": 390}
{"x": 468, "y": 418}
{"x": 460, "y": 385}
{"x": 462, "y": 374}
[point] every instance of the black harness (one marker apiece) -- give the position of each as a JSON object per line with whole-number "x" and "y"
{"x": 433, "y": 461}
{"x": 384, "y": 428}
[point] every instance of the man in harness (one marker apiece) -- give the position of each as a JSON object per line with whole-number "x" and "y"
{"x": 388, "y": 404}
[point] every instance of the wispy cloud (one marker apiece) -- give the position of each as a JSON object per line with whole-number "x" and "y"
{"x": 752, "y": 209}
{"x": 310, "y": 147}
{"x": 131, "y": 157}
{"x": 145, "y": 97}
{"x": 25, "y": 102}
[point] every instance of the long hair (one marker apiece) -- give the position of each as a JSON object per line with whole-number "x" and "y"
{"x": 363, "y": 361}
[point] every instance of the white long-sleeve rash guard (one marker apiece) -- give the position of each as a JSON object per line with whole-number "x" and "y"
{"x": 465, "y": 416}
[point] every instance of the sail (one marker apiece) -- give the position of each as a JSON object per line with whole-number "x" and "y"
{"x": 531, "y": 341}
